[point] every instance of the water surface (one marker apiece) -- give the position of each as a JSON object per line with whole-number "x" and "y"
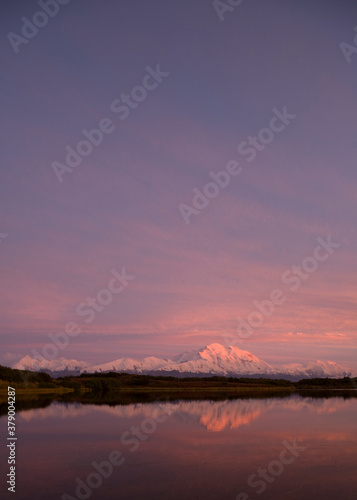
{"x": 200, "y": 449}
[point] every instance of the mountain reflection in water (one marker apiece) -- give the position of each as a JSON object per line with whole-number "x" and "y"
{"x": 202, "y": 449}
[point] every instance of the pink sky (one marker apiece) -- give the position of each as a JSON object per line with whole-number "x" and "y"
{"x": 120, "y": 207}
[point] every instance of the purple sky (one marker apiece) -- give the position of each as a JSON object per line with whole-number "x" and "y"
{"x": 120, "y": 207}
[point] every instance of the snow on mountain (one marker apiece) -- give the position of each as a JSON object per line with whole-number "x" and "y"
{"x": 213, "y": 359}
{"x": 216, "y": 359}
{"x": 151, "y": 363}
{"x": 325, "y": 369}
{"x": 119, "y": 365}
{"x": 315, "y": 369}
{"x": 219, "y": 360}
{"x": 129, "y": 365}
{"x": 54, "y": 365}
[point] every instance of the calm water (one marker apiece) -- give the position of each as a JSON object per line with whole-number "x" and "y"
{"x": 188, "y": 450}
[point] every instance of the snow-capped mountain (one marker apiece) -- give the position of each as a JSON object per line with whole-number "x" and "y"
{"x": 316, "y": 369}
{"x": 219, "y": 360}
{"x": 213, "y": 359}
{"x": 130, "y": 365}
{"x": 54, "y": 365}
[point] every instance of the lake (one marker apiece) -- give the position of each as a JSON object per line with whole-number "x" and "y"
{"x": 289, "y": 447}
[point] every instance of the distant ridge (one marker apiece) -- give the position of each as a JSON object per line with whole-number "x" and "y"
{"x": 213, "y": 359}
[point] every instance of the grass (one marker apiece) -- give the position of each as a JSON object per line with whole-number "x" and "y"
{"x": 112, "y": 383}
{"x": 205, "y": 389}
{"x": 37, "y": 390}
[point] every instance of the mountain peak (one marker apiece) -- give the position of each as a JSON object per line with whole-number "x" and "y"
{"x": 26, "y": 359}
{"x": 216, "y": 348}
{"x": 25, "y": 363}
{"x": 223, "y": 350}
{"x": 213, "y": 359}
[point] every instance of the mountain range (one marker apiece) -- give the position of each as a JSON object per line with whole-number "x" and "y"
{"x": 213, "y": 359}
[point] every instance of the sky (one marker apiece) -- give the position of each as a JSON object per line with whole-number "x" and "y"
{"x": 132, "y": 239}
